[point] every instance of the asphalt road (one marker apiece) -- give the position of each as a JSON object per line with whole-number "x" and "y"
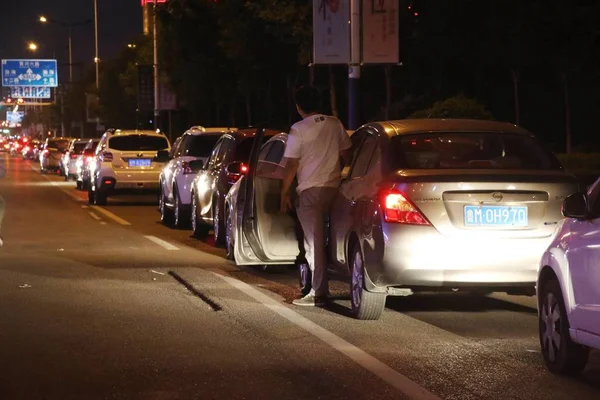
{"x": 107, "y": 303}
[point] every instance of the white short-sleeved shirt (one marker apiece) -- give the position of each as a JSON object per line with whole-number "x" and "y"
{"x": 317, "y": 142}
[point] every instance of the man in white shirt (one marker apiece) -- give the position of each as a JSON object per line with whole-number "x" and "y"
{"x": 313, "y": 152}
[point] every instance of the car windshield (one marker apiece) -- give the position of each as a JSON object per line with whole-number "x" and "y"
{"x": 58, "y": 144}
{"x": 201, "y": 146}
{"x": 469, "y": 150}
{"x": 138, "y": 142}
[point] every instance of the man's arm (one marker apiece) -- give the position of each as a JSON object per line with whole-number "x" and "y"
{"x": 291, "y": 167}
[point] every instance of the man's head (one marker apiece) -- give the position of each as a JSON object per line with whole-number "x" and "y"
{"x": 307, "y": 101}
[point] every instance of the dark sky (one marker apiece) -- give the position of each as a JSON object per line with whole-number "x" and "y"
{"x": 119, "y": 21}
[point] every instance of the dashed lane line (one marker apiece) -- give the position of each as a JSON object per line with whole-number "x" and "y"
{"x": 367, "y": 361}
{"x": 110, "y": 215}
{"x": 162, "y": 243}
{"x": 95, "y": 216}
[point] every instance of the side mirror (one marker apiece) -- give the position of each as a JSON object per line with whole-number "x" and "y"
{"x": 162, "y": 156}
{"x": 196, "y": 165}
{"x": 575, "y": 206}
{"x": 237, "y": 168}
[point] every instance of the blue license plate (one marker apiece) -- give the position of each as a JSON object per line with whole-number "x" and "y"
{"x": 497, "y": 216}
{"x": 140, "y": 162}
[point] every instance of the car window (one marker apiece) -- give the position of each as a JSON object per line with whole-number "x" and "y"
{"x": 175, "y": 150}
{"x": 227, "y": 145}
{"x": 138, "y": 142}
{"x": 78, "y": 148}
{"x": 58, "y": 144}
{"x": 199, "y": 145}
{"x": 469, "y": 150}
{"x": 275, "y": 153}
{"x": 264, "y": 151}
{"x": 363, "y": 157}
{"x": 212, "y": 161}
{"x": 594, "y": 198}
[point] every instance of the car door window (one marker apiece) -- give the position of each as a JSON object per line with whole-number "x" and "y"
{"x": 213, "y": 157}
{"x": 363, "y": 157}
{"x": 594, "y": 199}
{"x": 275, "y": 154}
{"x": 176, "y": 149}
{"x": 265, "y": 151}
{"x": 224, "y": 151}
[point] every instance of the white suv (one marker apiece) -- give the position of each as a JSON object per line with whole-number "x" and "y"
{"x": 569, "y": 286}
{"x": 126, "y": 162}
{"x": 190, "y": 152}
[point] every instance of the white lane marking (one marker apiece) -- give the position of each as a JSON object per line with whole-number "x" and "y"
{"x": 162, "y": 243}
{"x": 103, "y": 223}
{"x": 110, "y": 215}
{"x": 85, "y": 207}
{"x": 95, "y": 216}
{"x": 367, "y": 361}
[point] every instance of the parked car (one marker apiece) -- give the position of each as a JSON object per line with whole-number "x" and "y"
{"x": 126, "y": 162}
{"x": 568, "y": 286}
{"x": 52, "y": 153}
{"x": 189, "y": 153}
{"x": 226, "y": 164}
{"x": 84, "y": 163}
{"x": 427, "y": 205}
{"x": 70, "y": 158}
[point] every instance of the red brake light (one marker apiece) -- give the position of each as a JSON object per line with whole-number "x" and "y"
{"x": 107, "y": 156}
{"x": 73, "y": 156}
{"x": 244, "y": 169}
{"x": 397, "y": 208}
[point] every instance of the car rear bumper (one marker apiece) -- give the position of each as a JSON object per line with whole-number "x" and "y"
{"x": 420, "y": 256}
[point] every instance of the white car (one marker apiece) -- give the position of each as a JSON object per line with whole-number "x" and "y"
{"x": 569, "y": 286}
{"x": 126, "y": 162}
{"x": 71, "y": 157}
{"x": 189, "y": 154}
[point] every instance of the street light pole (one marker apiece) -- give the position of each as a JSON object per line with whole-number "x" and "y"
{"x": 156, "y": 82}
{"x": 70, "y": 57}
{"x": 96, "y": 58}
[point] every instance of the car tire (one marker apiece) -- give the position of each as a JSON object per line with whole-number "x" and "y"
{"x": 561, "y": 354}
{"x": 229, "y": 235}
{"x": 304, "y": 278}
{"x": 218, "y": 226}
{"x": 91, "y": 197}
{"x": 100, "y": 198}
{"x": 199, "y": 229}
{"x": 79, "y": 185}
{"x": 365, "y": 305}
{"x": 166, "y": 215}
{"x": 181, "y": 219}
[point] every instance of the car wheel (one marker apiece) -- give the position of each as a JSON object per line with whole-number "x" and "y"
{"x": 91, "y": 197}
{"x": 79, "y": 185}
{"x": 100, "y": 198}
{"x": 229, "y": 235}
{"x": 180, "y": 217}
{"x": 166, "y": 215}
{"x": 199, "y": 229}
{"x": 561, "y": 354}
{"x": 365, "y": 305}
{"x": 218, "y": 225}
{"x": 304, "y": 278}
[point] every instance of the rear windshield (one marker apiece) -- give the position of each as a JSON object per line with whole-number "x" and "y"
{"x": 58, "y": 144}
{"x": 201, "y": 146}
{"x": 243, "y": 149}
{"x": 470, "y": 151}
{"x": 78, "y": 147}
{"x": 138, "y": 142}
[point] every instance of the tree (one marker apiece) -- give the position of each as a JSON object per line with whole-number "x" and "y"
{"x": 455, "y": 107}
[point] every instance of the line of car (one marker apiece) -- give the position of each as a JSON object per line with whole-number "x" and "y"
{"x": 426, "y": 205}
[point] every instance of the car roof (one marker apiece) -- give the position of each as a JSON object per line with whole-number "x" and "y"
{"x": 408, "y": 126}
{"x": 201, "y": 130}
{"x": 127, "y": 132}
{"x": 59, "y": 138}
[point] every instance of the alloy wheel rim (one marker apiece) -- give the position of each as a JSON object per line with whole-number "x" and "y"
{"x": 228, "y": 235}
{"x": 357, "y": 279}
{"x": 552, "y": 323}
{"x": 176, "y": 211}
{"x": 216, "y": 221}
{"x": 194, "y": 219}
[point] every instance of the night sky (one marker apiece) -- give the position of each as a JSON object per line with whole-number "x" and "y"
{"x": 119, "y": 21}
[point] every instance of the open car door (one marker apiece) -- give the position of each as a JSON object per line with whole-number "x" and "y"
{"x": 271, "y": 234}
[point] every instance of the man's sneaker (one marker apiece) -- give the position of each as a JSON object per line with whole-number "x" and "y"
{"x": 311, "y": 301}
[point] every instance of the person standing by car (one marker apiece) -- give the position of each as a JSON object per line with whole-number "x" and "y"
{"x": 2, "y": 205}
{"x": 313, "y": 152}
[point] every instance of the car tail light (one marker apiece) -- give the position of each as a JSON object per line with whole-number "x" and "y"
{"x": 397, "y": 208}
{"x": 106, "y": 156}
{"x": 26, "y": 148}
{"x": 89, "y": 159}
{"x": 73, "y": 156}
{"x": 234, "y": 177}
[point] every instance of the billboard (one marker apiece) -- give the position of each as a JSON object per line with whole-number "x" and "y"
{"x": 29, "y": 73}
{"x": 14, "y": 118}
{"x": 331, "y": 31}
{"x": 30, "y": 92}
{"x": 380, "y": 32}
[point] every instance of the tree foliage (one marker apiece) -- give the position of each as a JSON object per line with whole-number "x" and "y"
{"x": 455, "y": 107}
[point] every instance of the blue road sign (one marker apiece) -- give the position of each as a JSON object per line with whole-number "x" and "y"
{"x": 29, "y": 73}
{"x": 30, "y": 92}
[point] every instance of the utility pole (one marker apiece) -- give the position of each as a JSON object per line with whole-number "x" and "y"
{"x": 354, "y": 67}
{"x": 96, "y": 58}
{"x": 156, "y": 82}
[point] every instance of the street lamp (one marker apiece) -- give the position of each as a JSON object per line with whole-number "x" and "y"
{"x": 69, "y": 26}
{"x": 32, "y": 46}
